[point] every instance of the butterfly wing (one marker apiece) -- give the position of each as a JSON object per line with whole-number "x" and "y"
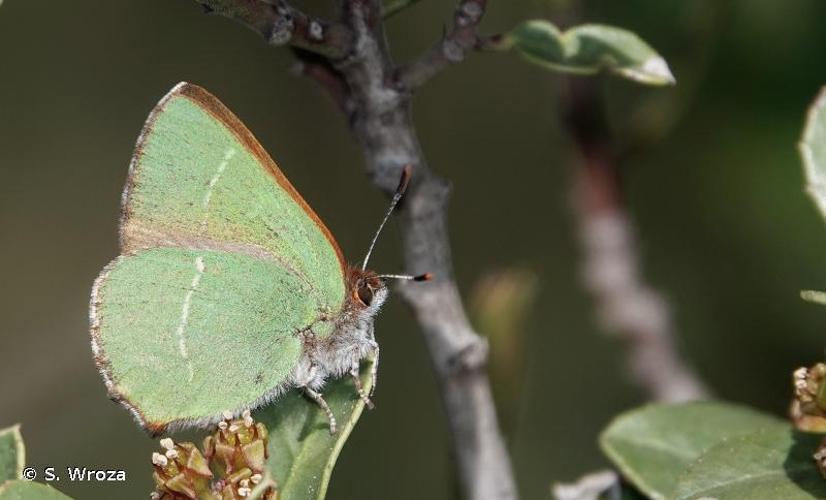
{"x": 223, "y": 265}
{"x": 199, "y": 179}
{"x": 181, "y": 335}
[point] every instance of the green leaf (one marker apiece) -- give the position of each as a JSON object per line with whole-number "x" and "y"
{"x": 12, "y": 461}
{"x": 813, "y": 150}
{"x": 588, "y": 49}
{"x": 302, "y": 453}
{"x": 12, "y": 453}
{"x": 26, "y": 490}
{"x": 764, "y": 465}
{"x": 652, "y": 446}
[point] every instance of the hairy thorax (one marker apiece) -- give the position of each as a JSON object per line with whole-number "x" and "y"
{"x": 352, "y": 339}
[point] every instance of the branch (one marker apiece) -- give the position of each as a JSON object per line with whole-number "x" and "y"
{"x": 380, "y": 118}
{"x": 451, "y": 49}
{"x": 280, "y": 24}
{"x": 627, "y": 306}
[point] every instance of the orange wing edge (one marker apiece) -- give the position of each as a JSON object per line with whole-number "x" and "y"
{"x": 216, "y": 108}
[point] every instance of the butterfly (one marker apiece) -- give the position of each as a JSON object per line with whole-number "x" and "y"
{"x": 229, "y": 289}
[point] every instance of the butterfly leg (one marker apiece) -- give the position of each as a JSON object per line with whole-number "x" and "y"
{"x": 354, "y": 373}
{"x": 374, "y": 371}
{"x": 319, "y": 399}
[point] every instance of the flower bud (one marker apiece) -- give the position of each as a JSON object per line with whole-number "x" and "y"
{"x": 808, "y": 409}
{"x": 239, "y": 444}
{"x": 181, "y": 471}
{"x": 237, "y": 451}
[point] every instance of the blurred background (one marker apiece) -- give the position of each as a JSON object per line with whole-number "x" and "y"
{"x": 725, "y": 230}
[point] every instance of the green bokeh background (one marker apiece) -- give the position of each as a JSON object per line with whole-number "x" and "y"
{"x": 725, "y": 229}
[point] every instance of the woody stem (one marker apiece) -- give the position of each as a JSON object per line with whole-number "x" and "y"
{"x": 380, "y": 117}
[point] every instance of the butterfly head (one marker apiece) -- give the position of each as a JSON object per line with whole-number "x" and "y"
{"x": 367, "y": 289}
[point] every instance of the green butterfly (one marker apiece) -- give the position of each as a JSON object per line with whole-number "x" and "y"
{"x": 229, "y": 289}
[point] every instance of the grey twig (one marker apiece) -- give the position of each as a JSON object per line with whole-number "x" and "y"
{"x": 280, "y": 24}
{"x": 362, "y": 81}
{"x": 601, "y": 484}
{"x": 381, "y": 121}
{"x": 627, "y": 306}
{"x": 451, "y": 49}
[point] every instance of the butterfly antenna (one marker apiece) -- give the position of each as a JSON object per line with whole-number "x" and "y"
{"x": 405, "y": 180}
{"x": 420, "y": 277}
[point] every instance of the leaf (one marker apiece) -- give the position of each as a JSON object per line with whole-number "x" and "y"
{"x": 813, "y": 296}
{"x": 302, "y": 453}
{"x": 12, "y": 461}
{"x": 19, "y": 489}
{"x": 765, "y": 465}
{"x": 588, "y": 49}
{"x": 12, "y": 453}
{"x": 651, "y": 446}
{"x": 812, "y": 148}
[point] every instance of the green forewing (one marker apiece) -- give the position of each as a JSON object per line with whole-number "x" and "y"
{"x": 200, "y": 179}
{"x": 223, "y": 266}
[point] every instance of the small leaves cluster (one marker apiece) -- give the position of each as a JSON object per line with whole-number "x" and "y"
{"x": 230, "y": 467}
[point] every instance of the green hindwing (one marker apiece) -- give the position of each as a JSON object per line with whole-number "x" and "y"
{"x": 182, "y": 335}
{"x": 223, "y": 266}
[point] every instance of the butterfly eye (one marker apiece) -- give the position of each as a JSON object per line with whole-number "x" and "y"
{"x": 365, "y": 294}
